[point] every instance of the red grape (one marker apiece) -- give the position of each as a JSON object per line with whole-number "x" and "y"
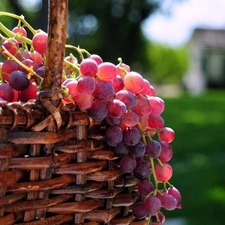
{"x": 39, "y": 42}
{"x": 131, "y": 136}
{"x": 8, "y": 67}
{"x": 106, "y": 71}
{"x": 11, "y": 46}
{"x": 116, "y": 108}
{"x": 176, "y": 194}
{"x": 97, "y": 58}
{"x": 169, "y": 202}
{"x": 145, "y": 187}
{"x": 139, "y": 210}
{"x": 134, "y": 82}
{"x": 113, "y": 135}
{"x": 6, "y": 92}
{"x": 88, "y": 67}
{"x": 138, "y": 150}
{"x": 167, "y": 134}
{"x": 18, "y": 80}
{"x": 19, "y": 31}
{"x": 130, "y": 119}
{"x": 164, "y": 172}
{"x": 142, "y": 170}
{"x": 152, "y": 205}
{"x": 127, "y": 98}
{"x": 153, "y": 149}
{"x": 86, "y": 85}
{"x": 127, "y": 163}
{"x": 98, "y": 111}
{"x": 166, "y": 153}
{"x": 29, "y": 93}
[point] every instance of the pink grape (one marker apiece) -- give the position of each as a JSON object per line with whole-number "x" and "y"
{"x": 116, "y": 108}
{"x": 143, "y": 107}
{"x": 176, "y": 194}
{"x": 30, "y": 64}
{"x": 113, "y": 120}
{"x": 156, "y": 122}
{"x": 106, "y": 71}
{"x": 151, "y": 91}
{"x": 19, "y": 31}
{"x": 169, "y": 202}
{"x": 29, "y": 93}
{"x": 123, "y": 69}
{"x": 86, "y": 85}
{"x": 146, "y": 89}
{"x": 164, "y": 172}
{"x": 39, "y": 42}
{"x": 130, "y": 119}
{"x": 117, "y": 83}
{"x": 127, "y": 97}
{"x": 134, "y": 82}
{"x": 97, "y": 58}
{"x": 88, "y": 67}
{"x": 161, "y": 218}
{"x": 153, "y": 205}
{"x": 84, "y": 101}
{"x": 166, "y": 153}
{"x": 8, "y": 67}
{"x": 6, "y": 92}
{"x": 36, "y": 57}
{"x": 11, "y": 46}
{"x": 156, "y": 106}
{"x": 167, "y": 134}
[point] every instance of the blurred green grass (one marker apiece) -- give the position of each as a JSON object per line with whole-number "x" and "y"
{"x": 199, "y": 156}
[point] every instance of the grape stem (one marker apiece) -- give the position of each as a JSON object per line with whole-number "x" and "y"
{"x": 20, "y": 18}
{"x": 79, "y": 50}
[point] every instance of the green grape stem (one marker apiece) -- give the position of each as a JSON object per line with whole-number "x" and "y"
{"x": 20, "y": 18}
{"x": 79, "y": 50}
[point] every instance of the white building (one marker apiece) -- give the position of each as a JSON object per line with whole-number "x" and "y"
{"x": 206, "y": 60}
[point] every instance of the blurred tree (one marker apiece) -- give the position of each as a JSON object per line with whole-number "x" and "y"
{"x": 167, "y": 64}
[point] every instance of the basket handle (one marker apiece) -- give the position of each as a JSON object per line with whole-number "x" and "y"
{"x": 55, "y": 53}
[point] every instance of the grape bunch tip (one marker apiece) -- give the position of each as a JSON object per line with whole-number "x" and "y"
{"x": 135, "y": 128}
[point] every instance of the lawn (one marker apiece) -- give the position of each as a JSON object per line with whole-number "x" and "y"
{"x": 199, "y": 156}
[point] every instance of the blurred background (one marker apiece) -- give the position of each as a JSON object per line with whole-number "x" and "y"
{"x": 179, "y": 46}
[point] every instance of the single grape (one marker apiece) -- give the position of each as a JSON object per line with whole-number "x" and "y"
{"x": 18, "y": 80}
{"x": 143, "y": 107}
{"x": 103, "y": 91}
{"x": 152, "y": 205}
{"x": 8, "y": 67}
{"x": 39, "y": 42}
{"x": 21, "y": 32}
{"x": 71, "y": 85}
{"x": 106, "y": 71}
{"x": 127, "y": 163}
{"x": 151, "y": 91}
{"x": 98, "y": 110}
{"x": 86, "y": 85}
{"x": 167, "y": 134}
{"x": 156, "y": 122}
{"x": 164, "y": 172}
{"x": 145, "y": 187}
{"x": 176, "y": 194}
{"x": 134, "y": 82}
{"x": 116, "y": 108}
{"x": 169, "y": 202}
{"x": 11, "y": 46}
{"x": 142, "y": 170}
{"x": 36, "y": 57}
{"x": 166, "y": 153}
{"x": 127, "y": 98}
{"x": 70, "y": 59}
{"x": 130, "y": 119}
{"x": 6, "y": 92}
{"x": 30, "y": 64}
{"x": 153, "y": 149}
{"x": 139, "y": 210}
{"x": 29, "y": 93}
{"x": 146, "y": 89}
{"x": 88, "y": 67}
{"x": 138, "y": 150}
{"x": 97, "y": 58}
{"x": 131, "y": 136}
{"x": 113, "y": 135}
{"x": 84, "y": 101}
{"x": 121, "y": 149}
{"x": 156, "y": 106}
{"x": 117, "y": 83}
{"x": 123, "y": 69}
{"x": 23, "y": 54}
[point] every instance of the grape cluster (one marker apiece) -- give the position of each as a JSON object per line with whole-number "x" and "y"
{"x": 135, "y": 129}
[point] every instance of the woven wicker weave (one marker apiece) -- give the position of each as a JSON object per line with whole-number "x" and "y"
{"x": 55, "y": 167}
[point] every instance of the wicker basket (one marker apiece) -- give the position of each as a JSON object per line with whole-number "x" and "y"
{"x": 55, "y": 166}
